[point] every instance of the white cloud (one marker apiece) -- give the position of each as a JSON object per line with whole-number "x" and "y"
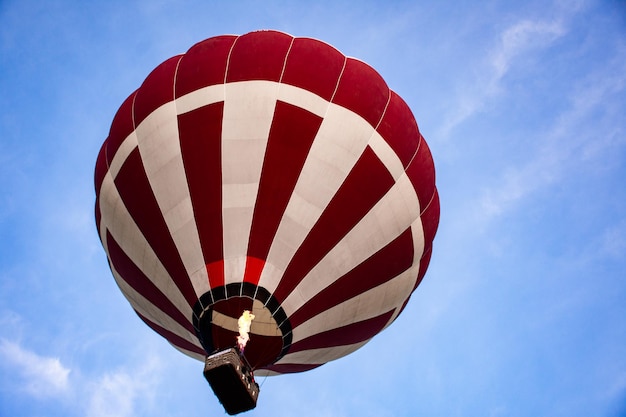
{"x": 521, "y": 38}
{"x": 117, "y": 393}
{"x": 613, "y": 241}
{"x": 40, "y": 376}
{"x": 512, "y": 45}
{"x": 121, "y": 392}
{"x": 583, "y": 136}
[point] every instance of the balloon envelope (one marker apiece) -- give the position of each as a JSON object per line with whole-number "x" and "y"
{"x": 269, "y": 173}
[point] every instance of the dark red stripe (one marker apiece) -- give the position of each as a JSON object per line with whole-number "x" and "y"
{"x": 233, "y": 307}
{"x": 345, "y": 335}
{"x": 156, "y": 90}
{"x": 384, "y": 265}
{"x": 362, "y": 90}
{"x": 137, "y": 196}
{"x": 260, "y": 350}
{"x": 430, "y": 223}
{"x": 142, "y": 284}
{"x": 121, "y": 127}
{"x": 172, "y": 337}
{"x": 291, "y": 136}
{"x": 290, "y": 368}
{"x": 314, "y": 66}
{"x": 99, "y": 174}
{"x": 399, "y": 129}
{"x": 424, "y": 261}
{"x": 365, "y": 185}
{"x": 200, "y": 133}
{"x": 258, "y": 56}
{"x": 421, "y": 172}
{"x": 102, "y": 167}
{"x": 430, "y": 218}
{"x": 204, "y": 64}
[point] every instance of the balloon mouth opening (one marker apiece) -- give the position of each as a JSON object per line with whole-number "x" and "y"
{"x": 216, "y": 315}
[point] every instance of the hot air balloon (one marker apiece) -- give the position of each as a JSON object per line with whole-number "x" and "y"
{"x": 271, "y": 174}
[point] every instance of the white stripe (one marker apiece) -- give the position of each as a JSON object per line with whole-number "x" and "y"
{"x": 266, "y": 372}
{"x": 159, "y": 146}
{"x": 199, "y": 98}
{"x": 417, "y": 232}
{"x": 387, "y": 155}
{"x": 248, "y": 113}
{"x": 126, "y": 233}
{"x": 367, "y": 305}
{"x": 288, "y": 93}
{"x": 126, "y": 147}
{"x": 319, "y": 356}
{"x": 341, "y": 139}
{"x": 193, "y": 355}
{"x": 152, "y": 312}
{"x": 389, "y": 218}
{"x": 304, "y": 99}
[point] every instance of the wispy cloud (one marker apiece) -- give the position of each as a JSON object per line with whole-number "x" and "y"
{"x": 613, "y": 242}
{"x": 584, "y": 135}
{"x": 124, "y": 391}
{"x": 117, "y": 393}
{"x": 40, "y": 376}
{"x": 512, "y": 45}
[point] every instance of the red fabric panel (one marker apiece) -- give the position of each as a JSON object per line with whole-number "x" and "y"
{"x": 156, "y": 90}
{"x": 260, "y": 350}
{"x": 399, "y": 129}
{"x": 215, "y": 270}
{"x": 138, "y": 198}
{"x": 254, "y": 268}
{"x": 233, "y": 307}
{"x": 200, "y": 134}
{"x": 366, "y": 184}
{"x": 423, "y": 265}
{"x": 346, "y": 335}
{"x": 204, "y": 64}
{"x": 100, "y": 172}
{"x": 430, "y": 218}
{"x": 314, "y": 66}
{"x": 384, "y": 265}
{"x": 362, "y": 90}
{"x": 421, "y": 172}
{"x": 102, "y": 167}
{"x": 142, "y": 284}
{"x": 121, "y": 127}
{"x": 287, "y": 368}
{"x": 258, "y": 56}
{"x": 291, "y": 135}
{"x": 171, "y": 337}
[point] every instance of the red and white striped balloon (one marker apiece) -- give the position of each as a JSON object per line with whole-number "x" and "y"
{"x": 269, "y": 173}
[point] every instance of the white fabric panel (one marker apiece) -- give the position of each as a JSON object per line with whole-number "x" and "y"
{"x": 126, "y": 233}
{"x": 320, "y": 356}
{"x": 152, "y": 312}
{"x": 265, "y": 372}
{"x": 303, "y": 98}
{"x": 341, "y": 139}
{"x": 365, "y": 306}
{"x": 417, "y": 232}
{"x": 193, "y": 355}
{"x": 391, "y": 216}
{"x": 230, "y": 323}
{"x": 387, "y": 156}
{"x": 126, "y": 147}
{"x": 248, "y": 113}
{"x": 198, "y": 98}
{"x": 160, "y": 152}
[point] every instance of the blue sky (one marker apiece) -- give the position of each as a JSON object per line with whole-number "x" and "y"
{"x": 523, "y": 310}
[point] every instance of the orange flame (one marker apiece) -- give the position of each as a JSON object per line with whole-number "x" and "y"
{"x": 244, "y": 323}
